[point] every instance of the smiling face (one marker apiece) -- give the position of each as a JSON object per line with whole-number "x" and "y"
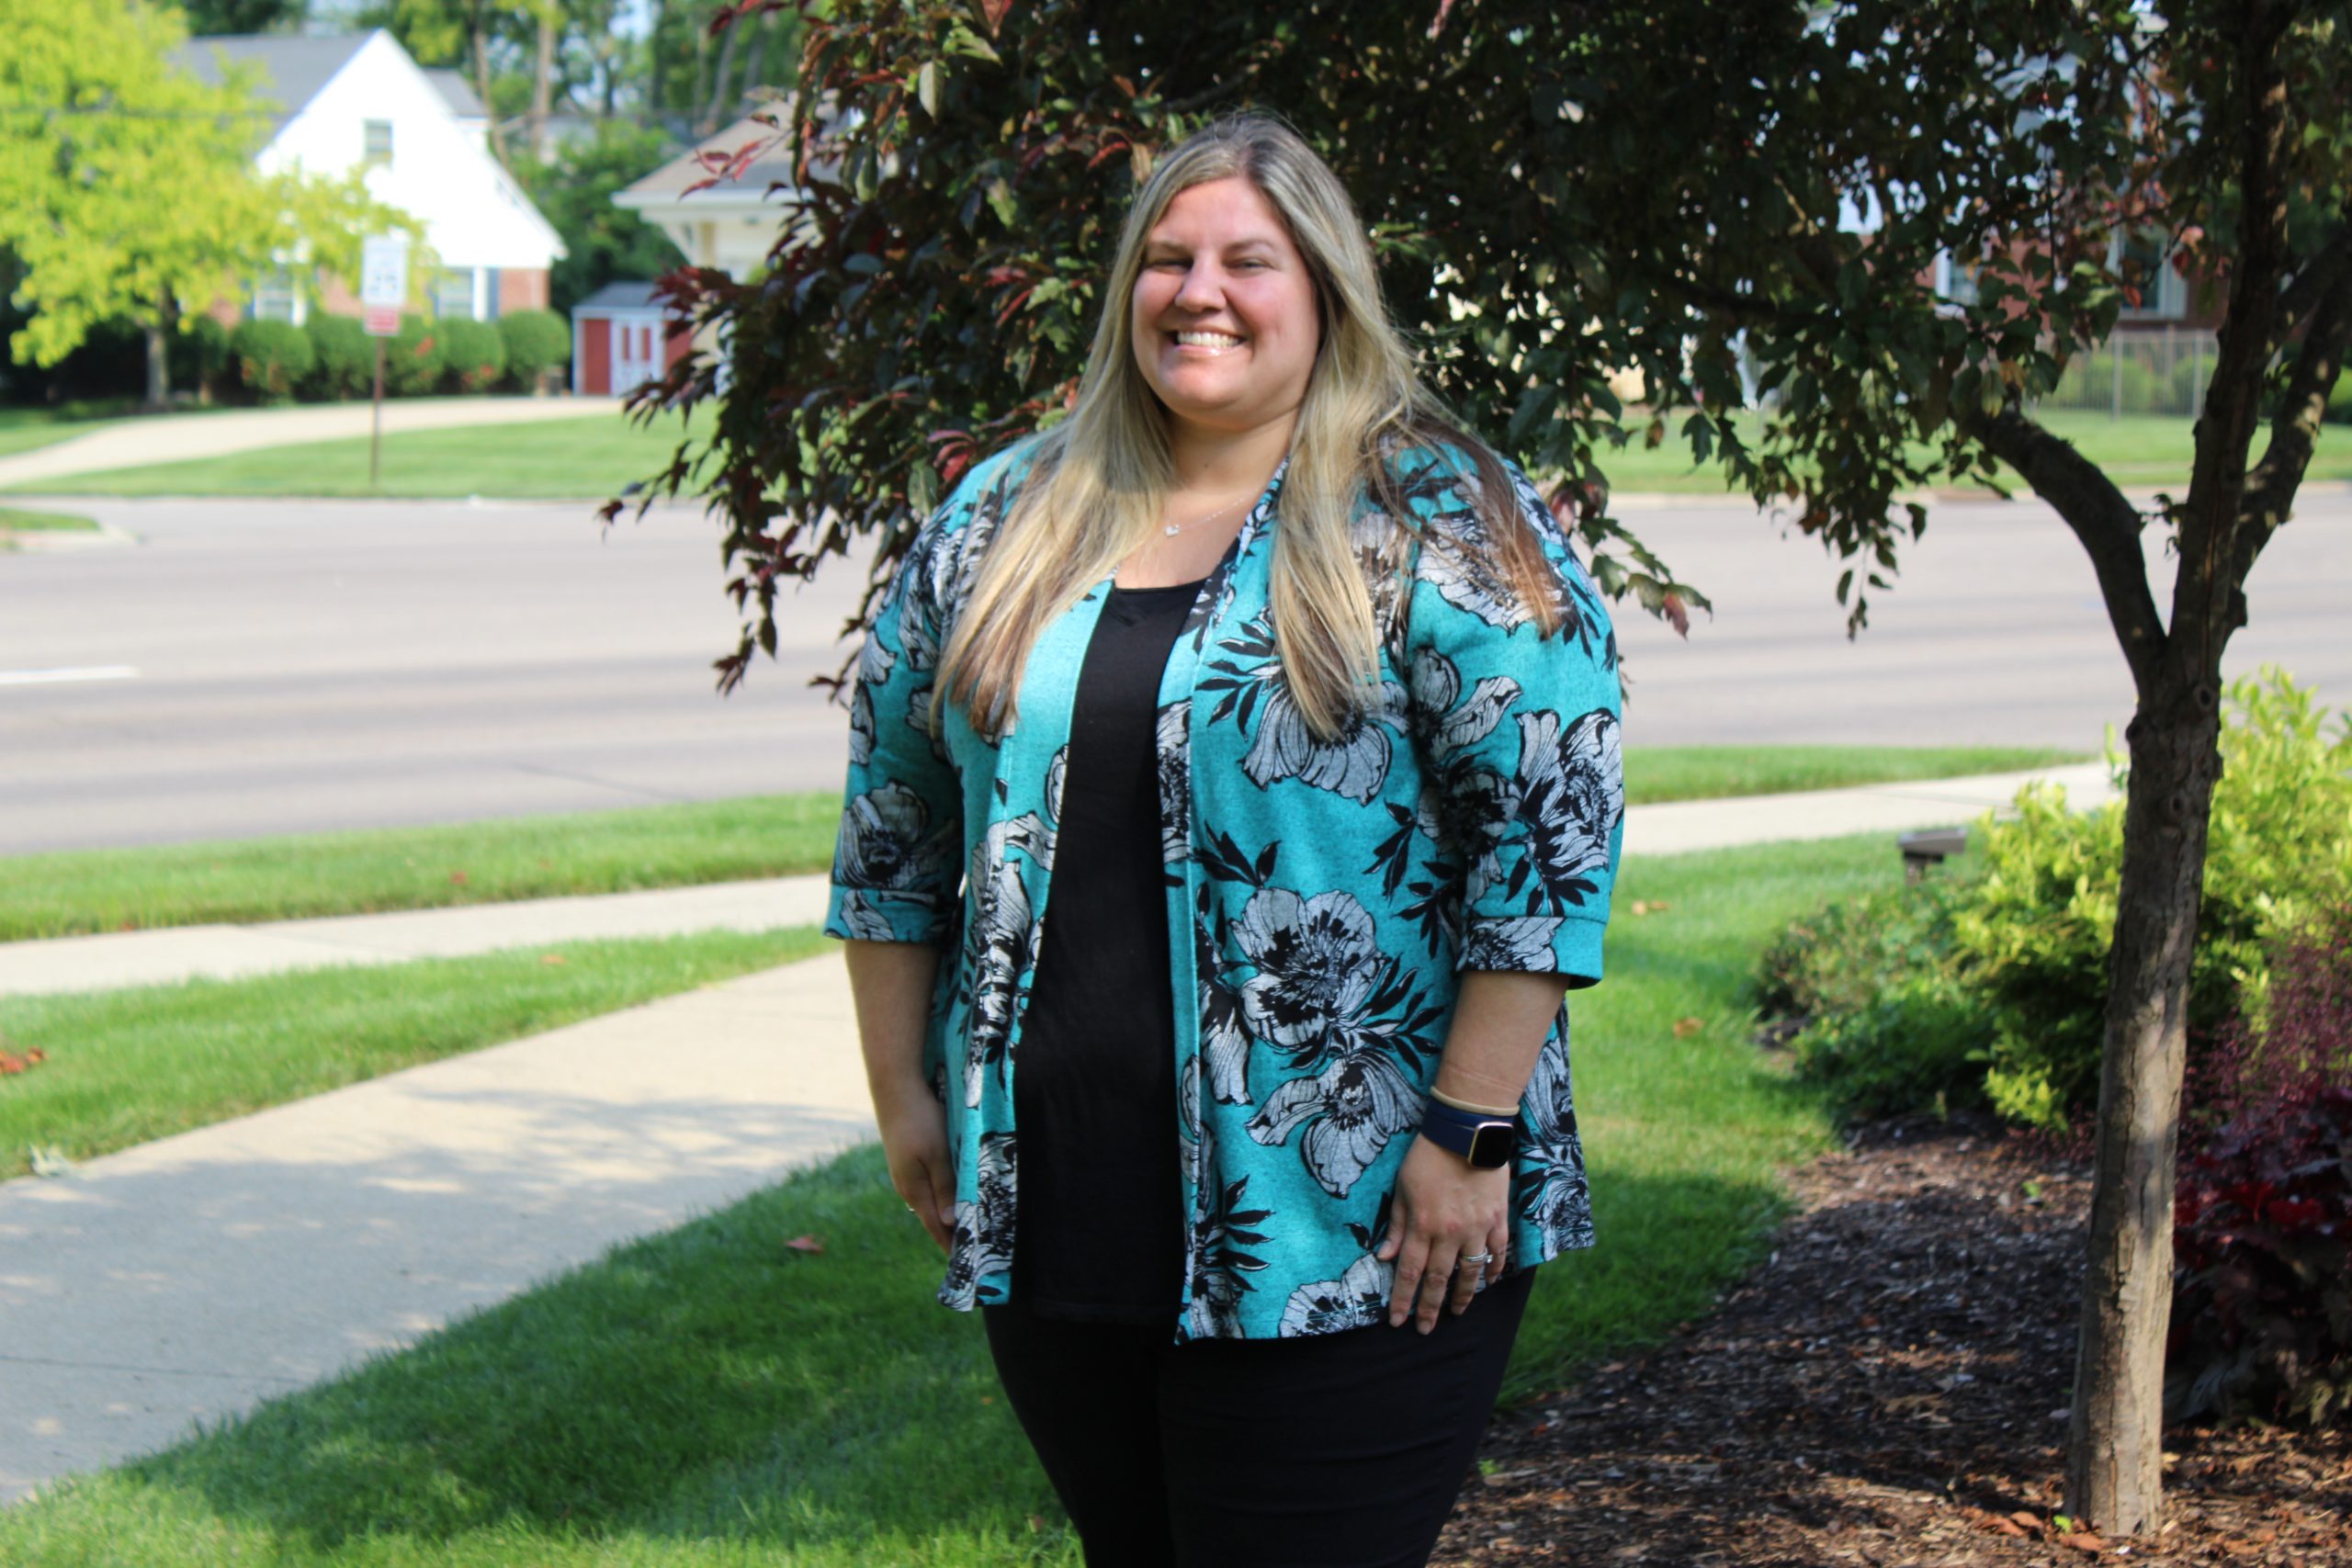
{"x": 1223, "y": 315}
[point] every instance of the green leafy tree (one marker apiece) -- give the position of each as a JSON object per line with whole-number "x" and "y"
{"x": 602, "y": 242}
{"x": 127, "y": 189}
{"x": 1562, "y": 191}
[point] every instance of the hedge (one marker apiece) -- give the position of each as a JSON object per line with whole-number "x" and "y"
{"x": 272, "y": 358}
{"x": 473, "y": 356}
{"x": 345, "y": 357}
{"x": 536, "y": 343}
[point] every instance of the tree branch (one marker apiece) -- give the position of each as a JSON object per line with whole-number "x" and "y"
{"x": 2303, "y": 295}
{"x": 2107, "y": 524}
{"x": 2225, "y": 432}
{"x": 2270, "y": 488}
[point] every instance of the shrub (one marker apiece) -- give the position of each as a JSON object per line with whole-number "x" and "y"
{"x": 2019, "y": 948}
{"x": 2034, "y": 934}
{"x": 536, "y": 343}
{"x": 2339, "y": 402}
{"x": 471, "y": 354}
{"x": 271, "y": 357}
{"x": 198, "y": 356}
{"x": 2262, "y": 1292}
{"x": 1876, "y": 1009}
{"x": 344, "y": 355}
{"x": 413, "y": 359}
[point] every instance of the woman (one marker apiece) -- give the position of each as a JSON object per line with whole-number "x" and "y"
{"x": 1292, "y": 697}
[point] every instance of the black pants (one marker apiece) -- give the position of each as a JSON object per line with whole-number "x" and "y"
{"x": 1340, "y": 1450}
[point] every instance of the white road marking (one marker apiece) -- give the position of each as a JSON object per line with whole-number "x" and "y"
{"x": 55, "y": 677}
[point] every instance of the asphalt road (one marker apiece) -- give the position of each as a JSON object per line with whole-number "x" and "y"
{"x": 266, "y": 666}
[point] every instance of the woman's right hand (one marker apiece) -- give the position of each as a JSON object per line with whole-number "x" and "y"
{"x": 914, "y": 1141}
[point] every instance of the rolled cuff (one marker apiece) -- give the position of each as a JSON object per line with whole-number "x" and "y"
{"x": 866, "y": 914}
{"x": 1538, "y": 944}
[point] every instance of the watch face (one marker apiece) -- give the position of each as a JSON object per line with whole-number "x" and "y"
{"x": 1490, "y": 1146}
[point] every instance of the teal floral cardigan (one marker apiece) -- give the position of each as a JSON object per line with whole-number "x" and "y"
{"x": 1322, "y": 896}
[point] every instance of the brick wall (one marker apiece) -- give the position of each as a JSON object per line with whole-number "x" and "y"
{"x": 522, "y": 289}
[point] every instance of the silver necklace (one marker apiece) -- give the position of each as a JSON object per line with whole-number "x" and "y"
{"x": 1170, "y": 530}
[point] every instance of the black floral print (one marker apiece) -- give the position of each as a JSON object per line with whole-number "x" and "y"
{"x": 1323, "y": 897}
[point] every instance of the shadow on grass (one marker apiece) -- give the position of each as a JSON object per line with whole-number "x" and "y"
{"x": 714, "y": 1381}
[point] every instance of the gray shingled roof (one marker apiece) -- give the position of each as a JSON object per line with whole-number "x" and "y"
{"x": 458, "y": 92}
{"x": 772, "y": 167}
{"x": 619, "y": 296}
{"x": 292, "y": 69}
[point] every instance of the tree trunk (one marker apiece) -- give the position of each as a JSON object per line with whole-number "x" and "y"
{"x": 2115, "y": 1473}
{"x": 543, "y": 84}
{"x": 755, "y": 72}
{"x": 481, "y": 87}
{"x": 719, "y": 98}
{"x": 656, "y": 58}
{"x": 159, "y": 354}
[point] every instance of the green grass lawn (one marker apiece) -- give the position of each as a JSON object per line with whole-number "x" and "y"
{"x": 710, "y": 1397}
{"x": 1710, "y": 772}
{"x": 590, "y": 458}
{"x": 2138, "y": 450}
{"x": 595, "y": 457}
{"x": 14, "y": 520}
{"x": 127, "y": 1066}
{"x": 79, "y": 892}
{"x": 242, "y": 880}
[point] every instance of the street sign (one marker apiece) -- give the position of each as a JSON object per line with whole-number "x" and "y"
{"x": 383, "y": 282}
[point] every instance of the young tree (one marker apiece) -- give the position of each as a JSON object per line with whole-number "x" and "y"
{"x": 1565, "y": 190}
{"x": 127, "y": 189}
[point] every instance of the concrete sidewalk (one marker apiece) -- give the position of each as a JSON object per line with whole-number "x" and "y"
{"x": 228, "y": 952}
{"x": 197, "y": 1276}
{"x": 168, "y": 438}
{"x": 223, "y": 952}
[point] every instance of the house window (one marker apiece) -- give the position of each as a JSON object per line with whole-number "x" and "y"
{"x": 2144, "y": 261}
{"x": 375, "y": 142}
{"x": 277, "y": 299}
{"x": 1955, "y": 280}
{"x": 453, "y": 292}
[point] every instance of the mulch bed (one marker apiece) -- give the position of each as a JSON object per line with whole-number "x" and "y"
{"x": 1889, "y": 1388}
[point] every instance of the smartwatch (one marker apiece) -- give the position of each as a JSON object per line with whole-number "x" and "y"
{"x": 1484, "y": 1141}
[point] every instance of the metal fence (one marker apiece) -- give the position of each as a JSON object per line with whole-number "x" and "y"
{"x": 2159, "y": 372}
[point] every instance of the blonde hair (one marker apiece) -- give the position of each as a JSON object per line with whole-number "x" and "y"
{"x": 1098, "y": 479}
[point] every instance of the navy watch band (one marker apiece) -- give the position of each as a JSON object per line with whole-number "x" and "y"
{"x": 1484, "y": 1141}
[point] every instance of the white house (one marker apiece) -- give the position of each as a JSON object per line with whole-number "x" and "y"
{"x": 731, "y": 223}
{"x": 421, "y": 136}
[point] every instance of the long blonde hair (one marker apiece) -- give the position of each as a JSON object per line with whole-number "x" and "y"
{"x": 1098, "y": 479}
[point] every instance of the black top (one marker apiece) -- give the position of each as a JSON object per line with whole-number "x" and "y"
{"x": 1100, "y": 1235}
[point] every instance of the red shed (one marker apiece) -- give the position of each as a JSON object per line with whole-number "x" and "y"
{"x": 614, "y": 334}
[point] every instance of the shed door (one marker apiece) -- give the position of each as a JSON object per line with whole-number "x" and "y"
{"x": 635, "y": 361}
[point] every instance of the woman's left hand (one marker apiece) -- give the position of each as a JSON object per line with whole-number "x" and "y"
{"x": 1444, "y": 1210}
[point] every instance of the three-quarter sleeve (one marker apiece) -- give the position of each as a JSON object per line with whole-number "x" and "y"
{"x": 896, "y": 861}
{"x": 1519, "y": 738}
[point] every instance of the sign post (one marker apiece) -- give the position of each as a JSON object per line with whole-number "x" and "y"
{"x": 383, "y": 289}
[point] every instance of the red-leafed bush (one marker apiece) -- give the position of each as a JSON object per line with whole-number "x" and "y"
{"x": 2261, "y": 1236}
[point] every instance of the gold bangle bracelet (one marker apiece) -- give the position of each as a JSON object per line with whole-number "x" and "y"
{"x": 1444, "y": 1098}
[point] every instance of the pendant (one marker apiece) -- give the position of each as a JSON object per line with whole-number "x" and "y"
{"x": 1172, "y": 529}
